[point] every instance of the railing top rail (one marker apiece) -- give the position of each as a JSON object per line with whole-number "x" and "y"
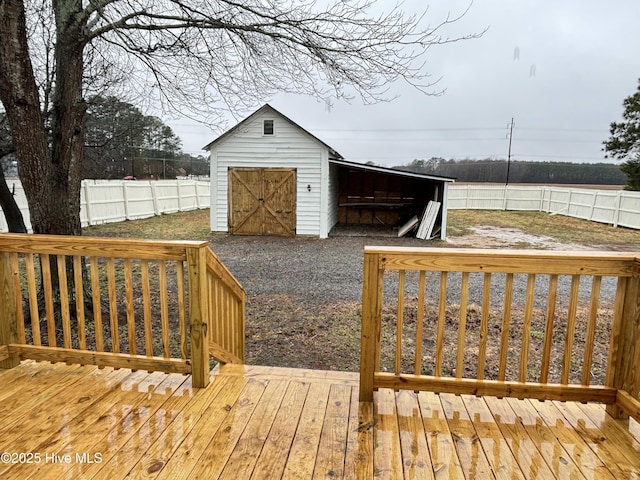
{"x": 97, "y": 246}
{"x": 620, "y": 264}
{"x": 224, "y": 274}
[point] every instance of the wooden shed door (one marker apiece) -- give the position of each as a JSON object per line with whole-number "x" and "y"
{"x": 262, "y": 201}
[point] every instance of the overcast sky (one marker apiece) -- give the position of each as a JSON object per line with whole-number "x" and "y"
{"x": 560, "y": 69}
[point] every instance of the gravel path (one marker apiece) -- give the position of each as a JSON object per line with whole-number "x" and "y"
{"x": 304, "y": 296}
{"x": 321, "y": 272}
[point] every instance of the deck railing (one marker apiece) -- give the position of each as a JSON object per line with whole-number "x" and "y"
{"x": 505, "y": 323}
{"x": 140, "y": 304}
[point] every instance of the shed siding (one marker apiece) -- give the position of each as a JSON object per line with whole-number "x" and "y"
{"x": 287, "y": 148}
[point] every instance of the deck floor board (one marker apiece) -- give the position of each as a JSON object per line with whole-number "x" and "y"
{"x": 266, "y": 422}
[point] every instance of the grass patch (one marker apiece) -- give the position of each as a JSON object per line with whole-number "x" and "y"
{"x": 562, "y": 228}
{"x": 192, "y": 225}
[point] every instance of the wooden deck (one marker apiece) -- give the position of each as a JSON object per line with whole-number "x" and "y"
{"x": 67, "y": 421}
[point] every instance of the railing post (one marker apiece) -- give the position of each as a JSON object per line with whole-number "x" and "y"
{"x": 8, "y": 327}
{"x": 626, "y": 355}
{"x": 371, "y": 323}
{"x": 198, "y": 315}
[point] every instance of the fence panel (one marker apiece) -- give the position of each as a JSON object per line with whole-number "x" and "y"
{"x": 104, "y": 201}
{"x": 116, "y": 200}
{"x": 628, "y": 210}
{"x": 615, "y": 207}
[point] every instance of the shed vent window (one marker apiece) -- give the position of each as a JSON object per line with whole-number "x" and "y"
{"x": 267, "y": 128}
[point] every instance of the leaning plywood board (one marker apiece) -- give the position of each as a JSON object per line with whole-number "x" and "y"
{"x": 407, "y": 227}
{"x": 428, "y": 220}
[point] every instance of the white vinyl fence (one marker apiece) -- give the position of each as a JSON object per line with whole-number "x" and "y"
{"x": 104, "y": 201}
{"x": 615, "y": 207}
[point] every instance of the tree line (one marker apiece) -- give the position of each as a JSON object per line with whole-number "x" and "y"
{"x": 518, "y": 171}
{"x": 122, "y": 142}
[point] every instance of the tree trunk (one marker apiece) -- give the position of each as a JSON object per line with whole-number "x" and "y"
{"x": 12, "y": 213}
{"x": 50, "y": 176}
{"x": 19, "y": 95}
{"x": 67, "y": 126}
{"x": 49, "y": 166}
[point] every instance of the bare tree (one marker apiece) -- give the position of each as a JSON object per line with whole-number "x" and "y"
{"x": 12, "y": 212}
{"x": 199, "y": 56}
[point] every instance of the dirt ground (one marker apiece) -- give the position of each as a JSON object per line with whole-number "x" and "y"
{"x": 304, "y": 298}
{"x": 487, "y": 236}
{"x": 304, "y": 294}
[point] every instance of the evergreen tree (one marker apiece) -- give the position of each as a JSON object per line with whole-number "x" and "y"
{"x": 625, "y": 140}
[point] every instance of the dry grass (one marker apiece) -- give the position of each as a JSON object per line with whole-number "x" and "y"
{"x": 561, "y": 228}
{"x": 193, "y": 225}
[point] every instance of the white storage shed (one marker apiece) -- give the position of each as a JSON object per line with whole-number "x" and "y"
{"x": 270, "y": 176}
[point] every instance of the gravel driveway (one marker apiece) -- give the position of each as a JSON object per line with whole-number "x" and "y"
{"x": 304, "y": 295}
{"x": 322, "y": 272}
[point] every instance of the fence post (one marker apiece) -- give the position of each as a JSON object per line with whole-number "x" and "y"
{"x": 198, "y": 315}
{"x": 154, "y": 198}
{"x": 125, "y": 200}
{"x": 371, "y": 323}
{"x": 196, "y": 186}
{"x": 593, "y": 204}
{"x": 625, "y": 355}
{"x": 87, "y": 198}
{"x": 504, "y": 197}
{"x": 616, "y": 212}
{"x": 8, "y": 315}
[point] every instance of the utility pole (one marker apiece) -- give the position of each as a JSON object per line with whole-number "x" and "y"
{"x": 510, "y": 137}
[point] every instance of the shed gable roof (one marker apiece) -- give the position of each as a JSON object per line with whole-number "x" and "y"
{"x": 333, "y": 154}
{"x": 390, "y": 171}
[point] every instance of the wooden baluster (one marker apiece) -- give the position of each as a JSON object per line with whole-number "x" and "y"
{"x": 506, "y": 322}
{"x": 113, "y": 306}
{"x": 526, "y": 328}
{"x": 212, "y": 302}
{"x": 571, "y": 327}
{"x": 442, "y": 319}
{"x": 48, "y": 299}
{"x": 591, "y": 330}
{"x": 128, "y": 293}
{"x": 228, "y": 325}
{"x": 146, "y": 312}
{"x": 182, "y": 322}
{"x": 227, "y": 328}
{"x": 399, "y": 322}
{"x": 420, "y": 322}
{"x": 79, "y": 290}
{"x": 548, "y": 329}
{"x": 164, "y": 308}
{"x": 97, "y": 304}
{"x": 64, "y": 300}
{"x": 484, "y": 325}
{"x": 33, "y": 299}
{"x": 240, "y": 319}
{"x": 462, "y": 324}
